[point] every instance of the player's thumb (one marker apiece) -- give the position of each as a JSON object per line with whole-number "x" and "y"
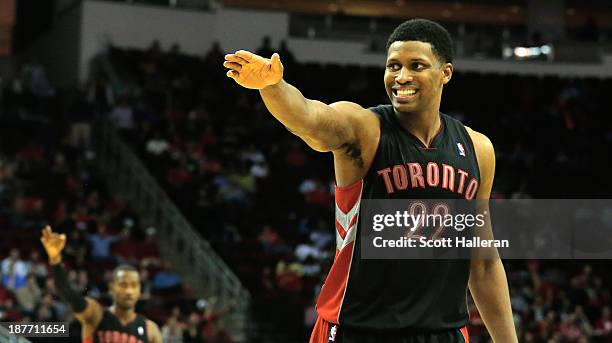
{"x": 277, "y": 66}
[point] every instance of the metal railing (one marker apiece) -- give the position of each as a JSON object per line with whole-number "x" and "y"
{"x": 191, "y": 255}
{"x": 5, "y": 337}
{"x": 196, "y": 5}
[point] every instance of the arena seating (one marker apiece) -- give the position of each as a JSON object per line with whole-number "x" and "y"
{"x": 47, "y": 176}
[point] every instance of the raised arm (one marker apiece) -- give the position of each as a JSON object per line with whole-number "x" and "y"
{"x": 88, "y": 311}
{"x": 488, "y": 284}
{"x": 323, "y": 127}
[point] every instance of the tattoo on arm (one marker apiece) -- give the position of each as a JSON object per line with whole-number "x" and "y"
{"x": 353, "y": 150}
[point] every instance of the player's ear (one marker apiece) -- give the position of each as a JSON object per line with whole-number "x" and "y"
{"x": 447, "y": 72}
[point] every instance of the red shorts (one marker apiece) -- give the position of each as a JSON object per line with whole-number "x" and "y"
{"x": 325, "y": 332}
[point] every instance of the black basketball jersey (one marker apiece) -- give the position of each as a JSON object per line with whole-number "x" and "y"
{"x": 401, "y": 294}
{"x": 110, "y": 330}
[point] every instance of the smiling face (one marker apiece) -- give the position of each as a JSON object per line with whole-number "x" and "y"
{"x": 414, "y": 77}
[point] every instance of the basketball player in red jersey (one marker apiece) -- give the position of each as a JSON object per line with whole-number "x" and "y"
{"x": 406, "y": 149}
{"x": 117, "y": 324}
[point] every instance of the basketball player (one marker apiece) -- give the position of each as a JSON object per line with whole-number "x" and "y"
{"x": 407, "y": 149}
{"x": 119, "y": 323}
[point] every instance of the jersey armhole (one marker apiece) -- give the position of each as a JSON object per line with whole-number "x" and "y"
{"x": 358, "y": 182}
{"x": 471, "y": 142}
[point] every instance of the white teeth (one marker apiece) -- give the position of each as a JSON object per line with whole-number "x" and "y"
{"x": 402, "y": 92}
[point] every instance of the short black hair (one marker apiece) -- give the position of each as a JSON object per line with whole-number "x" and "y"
{"x": 123, "y": 268}
{"x": 426, "y": 31}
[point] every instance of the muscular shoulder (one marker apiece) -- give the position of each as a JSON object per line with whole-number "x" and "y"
{"x": 153, "y": 333}
{"x": 336, "y": 125}
{"x": 354, "y": 111}
{"x": 486, "y": 161}
{"x": 482, "y": 145}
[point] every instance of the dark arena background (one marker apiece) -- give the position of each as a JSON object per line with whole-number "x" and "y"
{"x": 119, "y": 128}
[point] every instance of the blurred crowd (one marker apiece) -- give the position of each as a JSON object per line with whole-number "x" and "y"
{"x": 266, "y": 201}
{"x": 48, "y": 175}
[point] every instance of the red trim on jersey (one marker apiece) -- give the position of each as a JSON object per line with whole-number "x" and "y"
{"x": 347, "y": 196}
{"x": 465, "y": 334}
{"x": 353, "y": 221}
{"x": 340, "y": 229}
{"x": 332, "y": 294}
{"x": 88, "y": 339}
{"x": 320, "y": 331}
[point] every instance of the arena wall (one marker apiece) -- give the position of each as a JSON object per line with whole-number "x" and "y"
{"x": 132, "y": 25}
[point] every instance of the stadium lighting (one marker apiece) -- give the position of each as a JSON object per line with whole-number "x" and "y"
{"x": 532, "y": 52}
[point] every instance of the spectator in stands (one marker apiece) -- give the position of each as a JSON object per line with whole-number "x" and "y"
{"x": 603, "y": 326}
{"x": 215, "y": 55}
{"x": 36, "y": 267}
{"x": 570, "y": 329}
{"x": 80, "y": 114}
{"x": 145, "y": 284}
{"x": 172, "y": 331}
{"x": 100, "y": 94}
{"x": 14, "y": 271}
{"x": 288, "y": 276}
{"x": 8, "y": 311}
{"x": 100, "y": 243}
{"x": 286, "y": 54}
{"x": 36, "y": 80}
{"x": 193, "y": 329}
{"x": 266, "y": 48}
{"x": 7, "y": 185}
{"x": 270, "y": 240}
{"x": 211, "y": 319}
{"x": 166, "y": 279}
{"x": 150, "y": 63}
{"x": 29, "y": 296}
{"x": 45, "y": 312}
{"x": 157, "y": 145}
{"x": 220, "y": 334}
{"x": 321, "y": 237}
{"x": 172, "y": 60}
{"x": 123, "y": 116}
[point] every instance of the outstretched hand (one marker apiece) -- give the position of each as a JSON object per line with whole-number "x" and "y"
{"x": 253, "y": 71}
{"x": 54, "y": 243}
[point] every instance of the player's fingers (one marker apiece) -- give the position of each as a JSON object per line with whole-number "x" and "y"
{"x": 46, "y": 231}
{"x": 232, "y": 73}
{"x": 62, "y": 237}
{"x": 235, "y": 58}
{"x": 246, "y": 55}
{"x": 276, "y": 63}
{"x": 232, "y": 65}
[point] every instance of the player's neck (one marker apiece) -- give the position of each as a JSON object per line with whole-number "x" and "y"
{"x": 423, "y": 125}
{"x": 125, "y": 315}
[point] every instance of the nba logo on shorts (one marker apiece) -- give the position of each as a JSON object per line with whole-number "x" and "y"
{"x": 461, "y": 149}
{"x": 332, "y": 333}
